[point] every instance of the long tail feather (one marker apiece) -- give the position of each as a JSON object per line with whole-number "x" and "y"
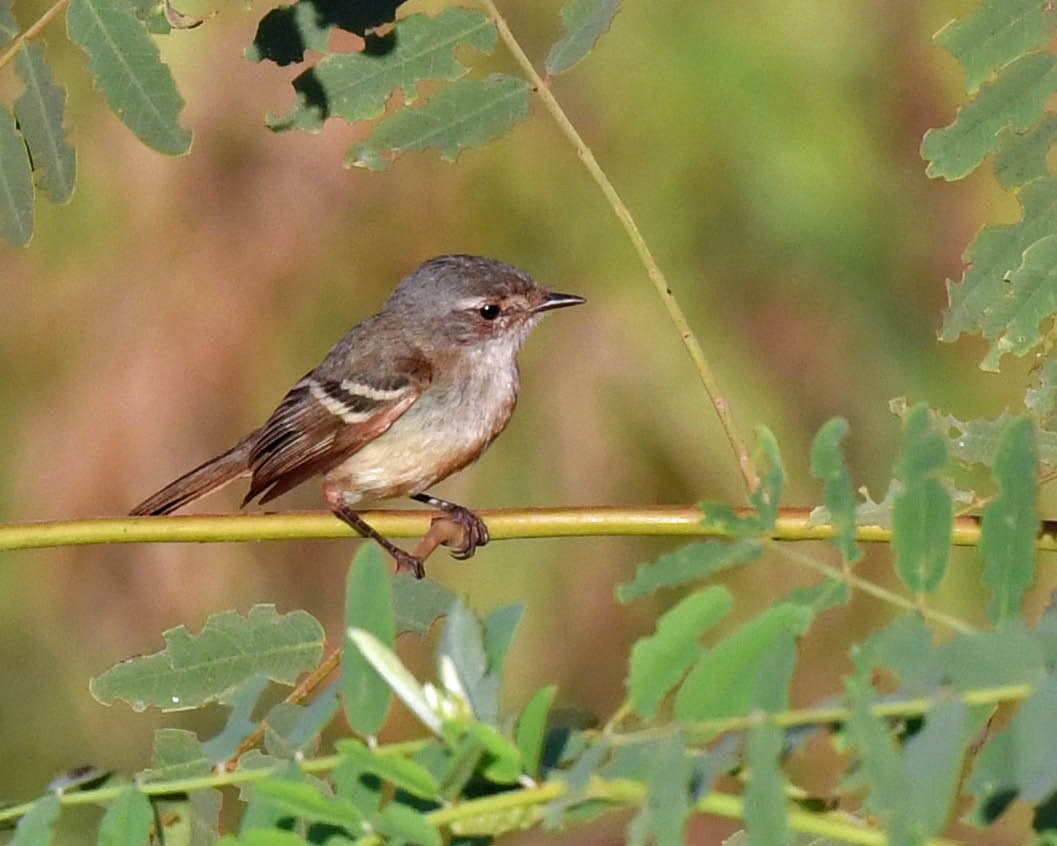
{"x": 204, "y": 479}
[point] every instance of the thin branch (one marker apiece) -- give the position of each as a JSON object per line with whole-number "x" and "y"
{"x": 32, "y": 32}
{"x": 653, "y": 270}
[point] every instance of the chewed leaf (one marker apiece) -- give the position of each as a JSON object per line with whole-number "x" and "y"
{"x": 40, "y": 111}
{"x": 1031, "y": 292}
{"x": 583, "y": 23}
{"x": 128, "y": 69}
{"x": 1022, "y": 156}
{"x": 193, "y": 670}
{"x": 1016, "y": 98}
{"x": 468, "y": 113}
{"x": 16, "y": 184}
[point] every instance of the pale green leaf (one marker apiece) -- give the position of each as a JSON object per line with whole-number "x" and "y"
{"x": 40, "y": 111}
{"x": 532, "y": 728}
{"x": 16, "y": 183}
{"x": 827, "y": 464}
{"x": 205, "y": 816}
{"x": 693, "y": 562}
{"x": 1031, "y": 291}
{"x": 498, "y": 630}
{"x": 418, "y": 603}
{"x": 467, "y": 113}
{"x": 772, "y": 478}
{"x": 462, "y": 642}
{"x": 1010, "y": 523}
{"x": 356, "y": 86}
{"x": 240, "y": 724}
{"x": 1016, "y": 99}
{"x": 659, "y": 661}
{"x": 1022, "y": 155}
{"x": 128, "y": 820}
{"x": 177, "y": 753}
{"x": 128, "y": 69}
{"x": 35, "y": 826}
{"x": 397, "y": 676}
{"x": 8, "y": 23}
{"x": 583, "y": 23}
{"x": 923, "y": 512}
{"x": 664, "y": 812}
{"x": 292, "y": 730}
{"x": 193, "y": 670}
{"x": 765, "y": 802}
{"x": 995, "y": 34}
{"x": 933, "y": 761}
{"x": 368, "y": 607}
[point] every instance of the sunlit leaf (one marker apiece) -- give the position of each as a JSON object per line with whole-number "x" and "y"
{"x": 1010, "y": 523}
{"x": 693, "y": 562}
{"x": 128, "y": 820}
{"x": 583, "y": 23}
{"x": 195, "y": 669}
{"x": 397, "y": 676}
{"x": 16, "y": 184}
{"x": 356, "y": 86}
{"x": 467, "y": 113}
{"x": 922, "y": 519}
{"x": 368, "y": 607}
{"x": 997, "y": 33}
{"x": 1016, "y": 98}
{"x": 128, "y": 69}
{"x": 659, "y": 661}
{"x": 40, "y": 111}
{"x": 827, "y": 464}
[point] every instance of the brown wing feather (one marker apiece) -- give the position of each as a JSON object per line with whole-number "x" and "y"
{"x": 305, "y": 436}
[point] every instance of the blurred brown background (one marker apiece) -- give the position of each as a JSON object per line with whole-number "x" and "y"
{"x": 769, "y": 153}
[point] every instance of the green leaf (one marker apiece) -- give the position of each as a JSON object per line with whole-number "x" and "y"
{"x": 194, "y": 670}
{"x": 658, "y": 662}
{"x": 301, "y": 799}
{"x": 1041, "y": 399}
{"x": 503, "y": 763}
{"x": 291, "y": 730}
{"x": 462, "y": 643}
{"x": 499, "y": 627}
{"x": 1032, "y": 294}
{"x": 263, "y": 838}
{"x": 34, "y": 829}
{"x": 1022, "y": 155}
{"x": 240, "y": 724}
{"x": 765, "y": 803}
{"x": 369, "y": 608}
{"x": 923, "y": 513}
{"x": 827, "y": 464}
{"x": 16, "y": 184}
{"x": 576, "y": 779}
{"x": 401, "y": 772}
{"x": 356, "y": 86}
{"x": 128, "y": 69}
{"x": 397, "y": 676}
{"x": 467, "y": 113}
{"x": 8, "y": 23}
{"x": 40, "y": 111}
{"x": 726, "y": 680}
{"x": 402, "y": 824}
{"x": 205, "y": 817}
{"x": 177, "y": 754}
{"x": 418, "y": 603}
{"x": 933, "y": 762}
{"x": 995, "y": 34}
{"x": 1016, "y": 98}
{"x": 532, "y": 727}
{"x": 667, "y": 805}
{"x": 583, "y": 23}
{"x": 767, "y": 495}
{"x": 693, "y": 562}
{"x": 1010, "y": 523}
{"x": 128, "y": 820}
{"x": 1018, "y": 761}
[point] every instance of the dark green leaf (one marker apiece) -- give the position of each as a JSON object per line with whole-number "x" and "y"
{"x": 460, "y": 765}
{"x": 724, "y": 681}
{"x": 193, "y": 670}
{"x": 40, "y": 111}
{"x": 34, "y": 829}
{"x": 368, "y": 606}
{"x": 401, "y": 772}
{"x": 467, "y": 113}
{"x": 765, "y": 802}
{"x": 995, "y": 34}
{"x": 128, "y": 69}
{"x": 418, "y": 603}
{"x": 583, "y": 23}
{"x": 1022, "y": 155}
{"x": 827, "y": 464}
{"x": 499, "y": 627}
{"x": 1016, "y": 98}
{"x": 923, "y": 514}
{"x": 128, "y": 820}
{"x": 663, "y": 815}
{"x": 177, "y": 754}
{"x": 693, "y": 562}
{"x": 531, "y": 728}
{"x": 503, "y": 763}
{"x": 356, "y": 86}
{"x": 1010, "y": 523}
{"x": 16, "y": 184}
{"x": 658, "y": 662}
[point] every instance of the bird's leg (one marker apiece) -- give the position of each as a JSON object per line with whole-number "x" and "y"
{"x": 404, "y": 559}
{"x": 474, "y": 530}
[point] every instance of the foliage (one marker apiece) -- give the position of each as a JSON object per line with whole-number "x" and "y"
{"x": 707, "y": 725}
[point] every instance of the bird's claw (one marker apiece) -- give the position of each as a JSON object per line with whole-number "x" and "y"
{"x": 474, "y": 531}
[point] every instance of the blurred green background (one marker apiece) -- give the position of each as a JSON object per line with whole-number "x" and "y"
{"x": 769, "y": 153}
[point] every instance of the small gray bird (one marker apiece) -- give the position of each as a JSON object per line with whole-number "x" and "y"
{"x": 408, "y": 397}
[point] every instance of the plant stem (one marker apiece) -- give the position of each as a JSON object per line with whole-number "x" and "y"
{"x": 653, "y": 270}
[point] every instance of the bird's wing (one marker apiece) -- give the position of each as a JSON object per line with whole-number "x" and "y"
{"x": 324, "y": 419}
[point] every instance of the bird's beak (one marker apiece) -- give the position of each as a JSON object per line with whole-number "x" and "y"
{"x": 556, "y": 300}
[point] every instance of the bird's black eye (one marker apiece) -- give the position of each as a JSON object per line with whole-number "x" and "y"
{"x": 489, "y": 312}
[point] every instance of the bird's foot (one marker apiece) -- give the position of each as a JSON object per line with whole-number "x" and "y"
{"x": 474, "y": 531}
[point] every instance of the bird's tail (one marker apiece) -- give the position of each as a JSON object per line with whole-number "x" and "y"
{"x": 204, "y": 479}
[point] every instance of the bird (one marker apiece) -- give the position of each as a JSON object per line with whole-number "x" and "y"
{"x": 407, "y": 397}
